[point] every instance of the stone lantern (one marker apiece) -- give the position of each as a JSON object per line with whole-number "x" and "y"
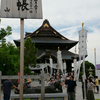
{"x": 90, "y": 72}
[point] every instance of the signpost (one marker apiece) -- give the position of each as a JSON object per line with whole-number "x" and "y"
{"x": 27, "y": 9}
{"x": 23, "y": 9}
{"x": 21, "y": 58}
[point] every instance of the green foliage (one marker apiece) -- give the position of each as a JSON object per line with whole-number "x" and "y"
{"x": 10, "y": 55}
{"x": 4, "y": 33}
{"x": 10, "y": 59}
{"x": 30, "y": 52}
{"x": 87, "y": 66}
{"x": 97, "y": 99}
{"x": 27, "y": 70}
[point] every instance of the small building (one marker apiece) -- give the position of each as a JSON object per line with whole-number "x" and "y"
{"x": 47, "y": 40}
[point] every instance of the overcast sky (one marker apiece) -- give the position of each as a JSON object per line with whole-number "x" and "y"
{"x": 66, "y": 16}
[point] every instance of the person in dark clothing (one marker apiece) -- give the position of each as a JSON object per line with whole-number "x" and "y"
{"x": 7, "y": 89}
{"x": 71, "y": 88}
{"x": 58, "y": 84}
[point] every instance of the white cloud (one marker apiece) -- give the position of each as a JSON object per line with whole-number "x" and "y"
{"x": 66, "y": 16}
{"x": 14, "y": 36}
{"x": 93, "y": 42}
{"x": 71, "y": 12}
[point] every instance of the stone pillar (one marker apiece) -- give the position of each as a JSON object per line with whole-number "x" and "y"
{"x": 42, "y": 86}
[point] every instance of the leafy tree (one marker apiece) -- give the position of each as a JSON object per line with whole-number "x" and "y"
{"x": 87, "y": 66}
{"x": 30, "y": 52}
{"x": 10, "y": 55}
{"x": 4, "y": 33}
{"x": 10, "y": 59}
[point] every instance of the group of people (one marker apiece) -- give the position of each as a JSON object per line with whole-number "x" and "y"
{"x": 90, "y": 86}
{"x": 69, "y": 83}
{"x": 60, "y": 83}
{"x": 8, "y": 84}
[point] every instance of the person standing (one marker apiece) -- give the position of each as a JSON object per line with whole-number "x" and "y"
{"x": 71, "y": 88}
{"x": 93, "y": 82}
{"x": 7, "y": 89}
{"x": 97, "y": 84}
{"x": 90, "y": 93}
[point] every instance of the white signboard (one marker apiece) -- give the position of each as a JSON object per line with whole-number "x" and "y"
{"x": 39, "y": 66}
{"x": 30, "y": 9}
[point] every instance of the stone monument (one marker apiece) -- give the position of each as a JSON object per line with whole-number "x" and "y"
{"x": 90, "y": 72}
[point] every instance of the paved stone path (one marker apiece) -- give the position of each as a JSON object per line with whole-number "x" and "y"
{"x": 78, "y": 93}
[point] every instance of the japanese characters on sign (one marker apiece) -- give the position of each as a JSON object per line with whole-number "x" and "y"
{"x": 23, "y": 5}
{"x": 21, "y": 9}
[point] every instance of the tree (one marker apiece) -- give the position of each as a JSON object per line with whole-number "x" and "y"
{"x": 87, "y": 66}
{"x": 4, "y": 33}
{"x": 9, "y": 54}
{"x": 10, "y": 59}
{"x": 30, "y": 52}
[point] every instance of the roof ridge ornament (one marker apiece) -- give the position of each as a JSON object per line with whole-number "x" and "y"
{"x": 54, "y": 32}
{"x": 46, "y": 25}
{"x": 82, "y": 25}
{"x": 63, "y": 38}
{"x": 58, "y": 48}
{"x": 37, "y": 32}
{"x": 28, "y": 37}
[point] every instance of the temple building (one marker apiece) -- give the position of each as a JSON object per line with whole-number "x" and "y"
{"x": 47, "y": 40}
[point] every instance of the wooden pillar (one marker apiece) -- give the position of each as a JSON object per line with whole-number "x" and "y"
{"x": 21, "y": 58}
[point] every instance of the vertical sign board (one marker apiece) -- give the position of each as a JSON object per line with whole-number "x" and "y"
{"x": 27, "y": 9}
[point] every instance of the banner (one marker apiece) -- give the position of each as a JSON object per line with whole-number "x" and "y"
{"x": 60, "y": 60}
{"x": 51, "y": 64}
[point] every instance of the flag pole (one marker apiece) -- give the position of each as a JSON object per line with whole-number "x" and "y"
{"x": 75, "y": 66}
{"x": 57, "y": 64}
{"x": 95, "y": 59}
